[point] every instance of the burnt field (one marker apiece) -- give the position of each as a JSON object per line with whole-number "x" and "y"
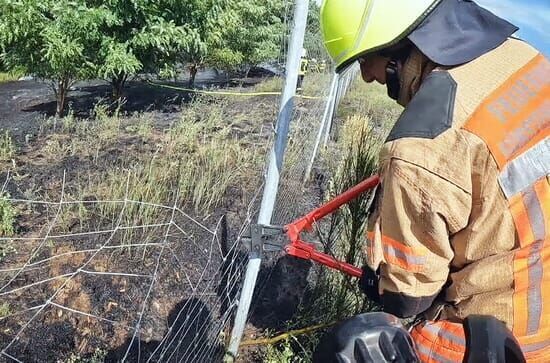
{"x": 119, "y": 222}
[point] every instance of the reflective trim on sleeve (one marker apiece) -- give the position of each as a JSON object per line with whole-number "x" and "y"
{"x": 406, "y": 257}
{"x": 440, "y": 341}
{"x": 527, "y": 168}
{"x": 531, "y": 212}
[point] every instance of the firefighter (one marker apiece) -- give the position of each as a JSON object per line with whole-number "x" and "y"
{"x": 461, "y": 220}
{"x": 302, "y": 71}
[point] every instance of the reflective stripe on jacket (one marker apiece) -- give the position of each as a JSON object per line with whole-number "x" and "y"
{"x": 462, "y": 223}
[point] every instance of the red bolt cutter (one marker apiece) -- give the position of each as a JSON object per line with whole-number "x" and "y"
{"x": 287, "y": 238}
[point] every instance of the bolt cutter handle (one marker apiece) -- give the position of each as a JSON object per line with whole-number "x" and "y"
{"x": 301, "y": 249}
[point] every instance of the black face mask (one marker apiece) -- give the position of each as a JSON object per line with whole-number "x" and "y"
{"x": 392, "y": 80}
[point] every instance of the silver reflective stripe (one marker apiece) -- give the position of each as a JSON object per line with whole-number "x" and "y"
{"x": 436, "y": 330}
{"x": 535, "y": 213}
{"x": 527, "y": 168}
{"x": 432, "y": 355}
{"x": 411, "y": 260}
{"x": 534, "y": 262}
{"x": 528, "y": 348}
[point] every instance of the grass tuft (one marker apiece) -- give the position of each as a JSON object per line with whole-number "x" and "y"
{"x": 7, "y": 147}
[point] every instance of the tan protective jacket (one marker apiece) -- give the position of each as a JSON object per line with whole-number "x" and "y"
{"x": 461, "y": 224}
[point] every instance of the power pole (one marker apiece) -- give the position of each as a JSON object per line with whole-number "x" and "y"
{"x": 272, "y": 177}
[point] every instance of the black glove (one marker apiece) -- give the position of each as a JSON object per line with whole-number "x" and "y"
{"x": 369, "y": 284}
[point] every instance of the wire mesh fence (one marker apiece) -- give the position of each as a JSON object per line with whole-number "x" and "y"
{"x": 144, "y": 277}
{"x": 162, "y": 291}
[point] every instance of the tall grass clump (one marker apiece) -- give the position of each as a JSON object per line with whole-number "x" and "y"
{"x": 198, "y": 160}
{"x": 272, "y": 84}
{"x": 10, "y": 76}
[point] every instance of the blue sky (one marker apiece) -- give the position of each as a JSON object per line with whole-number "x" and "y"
{"x": 531, "y": 16}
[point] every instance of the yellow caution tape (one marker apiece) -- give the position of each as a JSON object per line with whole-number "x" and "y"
{"x": 283, "y": 336}
{"x": 226, "y": 93}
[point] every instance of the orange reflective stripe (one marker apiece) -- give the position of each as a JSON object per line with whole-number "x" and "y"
{"x": 514, "y": 123}
{"x": 521, "y": 219}
{"x": 531, "y": 299}
{"x": 408, "y": 258}
{"x": 517, "y": 115}
{"x": 440, "y": 341}
{"x": 536, "y": 349}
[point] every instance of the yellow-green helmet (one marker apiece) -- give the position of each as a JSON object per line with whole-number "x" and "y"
{"x": 352, "y": 28}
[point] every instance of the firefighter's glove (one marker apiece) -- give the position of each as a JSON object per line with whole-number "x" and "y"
{"x": 369, "y": 284}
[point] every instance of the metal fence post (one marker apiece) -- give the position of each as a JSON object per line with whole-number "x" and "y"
{"x": 274, "y": 169}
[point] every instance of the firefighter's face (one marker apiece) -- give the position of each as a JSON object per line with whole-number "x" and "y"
{"x": 373, "y": 68}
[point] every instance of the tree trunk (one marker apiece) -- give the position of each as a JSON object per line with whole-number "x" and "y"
{"x": 118, "y": 84}
{"x": 61, "y": 96}
{"x": 193, "y": 69}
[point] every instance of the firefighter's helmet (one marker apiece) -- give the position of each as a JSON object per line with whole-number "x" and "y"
{"x": 353, "y": 28}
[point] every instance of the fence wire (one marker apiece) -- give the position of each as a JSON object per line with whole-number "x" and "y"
{"x": 161, "y": 292}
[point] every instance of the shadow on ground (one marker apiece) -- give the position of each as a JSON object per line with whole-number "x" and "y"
{"x": 186, "y": 341}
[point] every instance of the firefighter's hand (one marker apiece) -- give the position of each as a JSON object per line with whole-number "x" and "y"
{"x": 369, "y": 284}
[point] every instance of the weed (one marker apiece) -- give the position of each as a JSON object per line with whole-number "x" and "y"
{"x": 5, "y": 310}
{"x": 68, "y": 122}
{"x": 7, "y": 216}
{"x": 7, "y": 147}
{"x": 281, "y": 353}
{"x": 97, "y": 357}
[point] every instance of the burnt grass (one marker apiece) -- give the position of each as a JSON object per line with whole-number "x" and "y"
{"x": 197, "y": 279}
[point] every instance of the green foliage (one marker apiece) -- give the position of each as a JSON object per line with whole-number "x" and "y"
{"x": 253, "y": 37}
{"x": 52, "y": 40}
{"x": 143, "y": 37}
{"x": 281, "y": 353}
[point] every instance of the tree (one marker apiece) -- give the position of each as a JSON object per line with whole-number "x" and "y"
{"x": 253, "y": 37}
{"x": 141, "y": 39}
{"x": 51, "y": 40}
{"x": 210, "y": 20}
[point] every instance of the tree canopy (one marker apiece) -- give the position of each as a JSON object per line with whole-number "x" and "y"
{"x": 64, "y": 41}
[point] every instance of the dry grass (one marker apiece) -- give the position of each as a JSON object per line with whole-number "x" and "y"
{"x": 203, "y": 159}
{"x": 272, "y": 84}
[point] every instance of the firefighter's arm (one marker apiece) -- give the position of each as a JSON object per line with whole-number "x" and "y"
{"x": 408, "y": 235}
